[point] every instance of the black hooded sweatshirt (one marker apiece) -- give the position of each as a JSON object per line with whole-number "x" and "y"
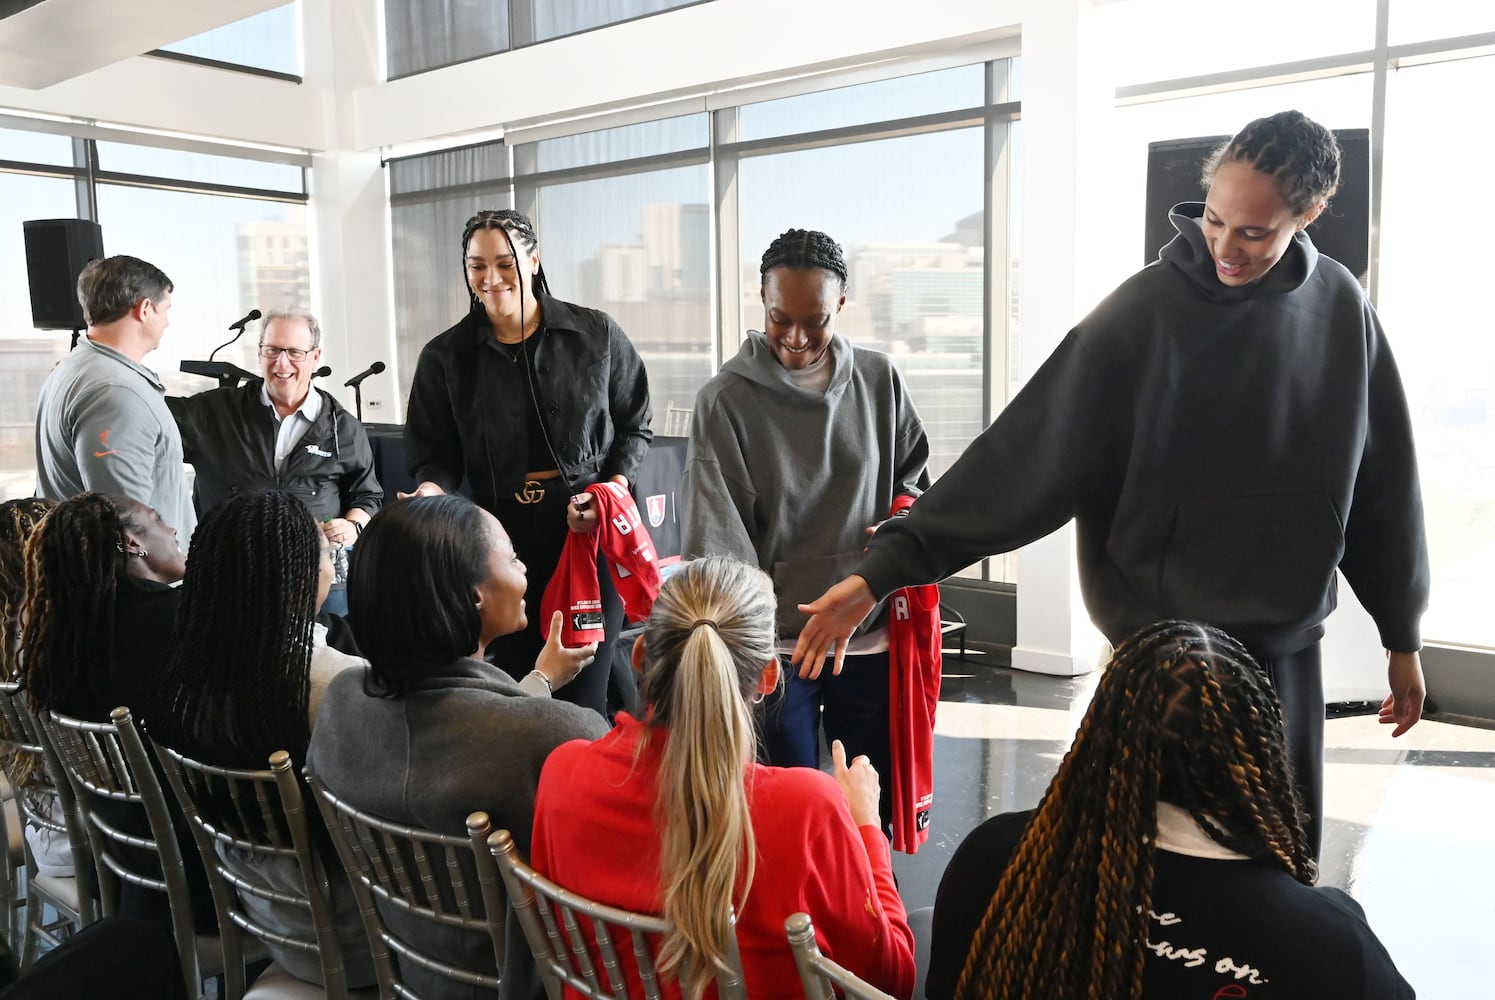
{"x": 1222, "y": 450}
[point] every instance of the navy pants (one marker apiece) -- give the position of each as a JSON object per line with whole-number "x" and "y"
{"x": 1299, "y": 680}
{"x": 853, "y": 706}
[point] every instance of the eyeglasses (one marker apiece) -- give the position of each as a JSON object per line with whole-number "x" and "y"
{"x": 292, "y": 353}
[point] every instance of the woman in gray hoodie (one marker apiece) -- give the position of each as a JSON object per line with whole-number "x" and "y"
{"x": 797, "y": 446}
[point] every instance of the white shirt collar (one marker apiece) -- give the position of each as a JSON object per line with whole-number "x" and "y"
{"x": 310, "y": 408}
{"x": 1180, "y": 834}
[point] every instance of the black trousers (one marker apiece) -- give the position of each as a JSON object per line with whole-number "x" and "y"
{"x": 538, "y": 531}
{"x": 1299, "y": 680}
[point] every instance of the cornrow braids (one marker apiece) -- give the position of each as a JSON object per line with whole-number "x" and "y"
{"x": 237, "y": 678}
{"x": 74, "y": 560}
{"x": 1183, "y": 714}
{"x": 512, "y": 223}
{"x": 803, "y": 249}
{"x": 18, "y": 519}
{"x": 1301, "y": 155}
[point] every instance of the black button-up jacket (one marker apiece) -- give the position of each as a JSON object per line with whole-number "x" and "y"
{"x": 465, "y": 424}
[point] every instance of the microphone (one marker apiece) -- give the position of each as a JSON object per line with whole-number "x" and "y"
{"x": 322, "y": 372}
{"x": 356, "y": 380}
{"x": 254, "y": 314}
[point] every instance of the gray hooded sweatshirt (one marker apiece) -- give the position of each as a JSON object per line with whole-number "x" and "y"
{"x": 789, "y": 479}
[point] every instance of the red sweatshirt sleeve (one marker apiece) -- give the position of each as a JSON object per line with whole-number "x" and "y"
{"x": 858, "y": 914}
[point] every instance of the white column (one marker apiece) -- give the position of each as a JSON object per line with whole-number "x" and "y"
{"x": 1067, "y": 95}
{"x": 350, "y": 240}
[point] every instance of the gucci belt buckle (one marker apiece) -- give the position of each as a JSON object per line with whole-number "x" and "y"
{"x": 533, "y": 492}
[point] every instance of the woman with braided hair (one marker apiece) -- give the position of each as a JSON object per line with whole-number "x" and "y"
{"x": 669, "y": 814}
{"x": 248, "y": 661}
{"x": 521, "y": 405}
{"x": 18, "y": 519}
{"x": 1167, "y": 858}
{"x": 797, "y": 446}
{"x": 1227, "y": 429}
{"x": 99, "y": 607}
{"x": 99, "y": 602}
{"x": 244, "y": 677}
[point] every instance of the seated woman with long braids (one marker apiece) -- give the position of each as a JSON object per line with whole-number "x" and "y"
{"x": 244, "y": 676}
{"x": 430, "y": 732}
{"x": 670, "y": 815}
{"x": 99, "y": 605}
{"x": 18, "y": 519}
{"x": 98, "y": 614}
{"x": 1167, "y": 858}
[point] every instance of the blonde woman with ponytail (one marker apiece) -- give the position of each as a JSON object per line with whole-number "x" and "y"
{"x": 669, "y": 814}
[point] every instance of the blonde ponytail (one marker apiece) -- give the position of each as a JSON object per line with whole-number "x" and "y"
{"x": 706, "y": 644}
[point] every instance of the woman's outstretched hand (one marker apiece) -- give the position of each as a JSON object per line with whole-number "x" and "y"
{"x": 560, "y": 664}
{"x": 858, "y": 781}
{"x": 834, "y": 615}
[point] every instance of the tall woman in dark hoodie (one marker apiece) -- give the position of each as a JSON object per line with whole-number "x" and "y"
{"x": 1227, "y": 428}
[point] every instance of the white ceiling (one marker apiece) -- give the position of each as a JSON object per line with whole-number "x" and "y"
{"x": 57, "y": 40}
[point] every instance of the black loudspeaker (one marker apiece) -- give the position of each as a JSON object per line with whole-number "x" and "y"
{"x": 57, "y": 250}
{"x": 1341, "y": 232}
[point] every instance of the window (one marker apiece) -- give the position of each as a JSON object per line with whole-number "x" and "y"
{"x": 1421, "y": 20}
{"x": 26, "y": 354}
{"x": 903, "y": 189}
{"x": 1432, "y": 276}
{"x": 554, "y": 18}
{"x": 230, "y": 232}
{"x": 630, "y": 219}
{"x": 269, "y": 41}
{"x": 421, "y": 35}
{"x": 624, "y": 220}
{"x": 1170, "y": 39}
{"x": 220, "y": 253}
{"x": 913, "y": 232}
{"x": 35, "y": 147}
{"x": 431, "y": 197}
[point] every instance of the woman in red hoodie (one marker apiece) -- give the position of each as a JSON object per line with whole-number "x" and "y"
{"x": 669, "y": 814}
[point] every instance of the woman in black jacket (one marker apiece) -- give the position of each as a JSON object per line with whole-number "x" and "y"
{"x": 521, "y": 405}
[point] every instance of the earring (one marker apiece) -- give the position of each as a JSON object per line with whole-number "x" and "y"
{"x": 141, "y": 553}
{"x": 757, "y": 699}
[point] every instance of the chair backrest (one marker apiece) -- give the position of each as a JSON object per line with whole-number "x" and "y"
{"x": 396, "y": 868}
{"x": 676, "y": 420}
{"x": 262, "y": 813}
{"x": 37, "y": 788}
{"x": 107, "y": 763}
{"x": 552, "y": 918}
{"x": 818, "y": 974}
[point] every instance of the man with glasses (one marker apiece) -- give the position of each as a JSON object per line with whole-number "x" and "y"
{"x": 278, "y": 433}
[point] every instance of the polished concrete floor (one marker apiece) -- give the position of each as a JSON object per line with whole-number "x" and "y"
{"x": 1410, "y": 829}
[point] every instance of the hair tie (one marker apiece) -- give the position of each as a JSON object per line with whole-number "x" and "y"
{"x": 705, "y": 621}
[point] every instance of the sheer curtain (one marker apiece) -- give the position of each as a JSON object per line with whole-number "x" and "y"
{"x": 431, "y": 197}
